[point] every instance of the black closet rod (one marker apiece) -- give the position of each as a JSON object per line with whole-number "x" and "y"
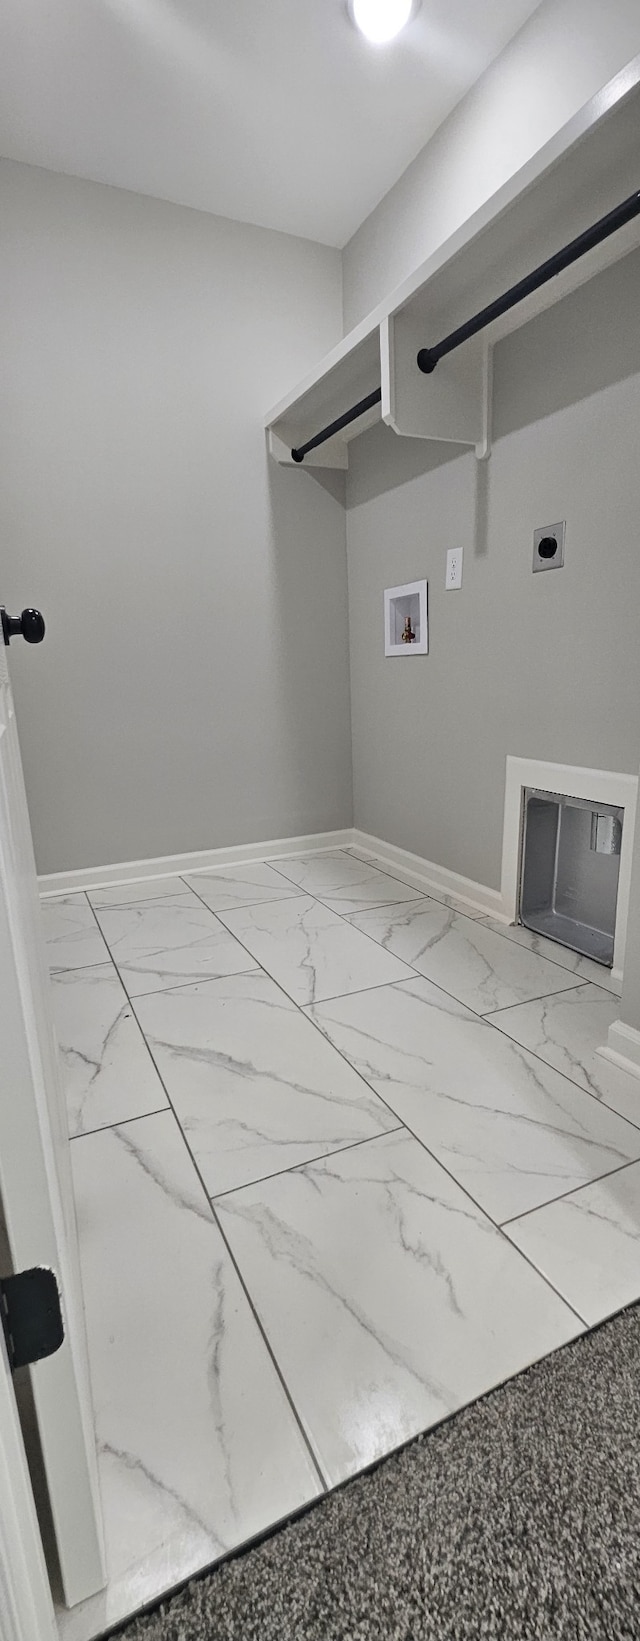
{"x": 428, "y": 357}
{"x": 340, "y": 422}
{"x": 630, "y": 208}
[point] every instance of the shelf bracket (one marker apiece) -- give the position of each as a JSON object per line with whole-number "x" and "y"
{"x": 451, "y": 406}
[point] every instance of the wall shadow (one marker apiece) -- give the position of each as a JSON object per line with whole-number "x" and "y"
{"x": 381, "y": 460}
{"x": 575, "y": 349}
{"x": 306, "y": 618}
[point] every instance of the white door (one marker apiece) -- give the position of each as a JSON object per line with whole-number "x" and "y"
{"x": 35, "y": 1174}
{"x": 26, "y": 1608}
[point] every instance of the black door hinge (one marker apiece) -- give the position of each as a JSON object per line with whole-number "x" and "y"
{"x": 31, "y": 1316}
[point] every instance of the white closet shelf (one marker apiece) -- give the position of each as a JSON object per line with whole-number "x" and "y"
{"x": 586, "y": 170}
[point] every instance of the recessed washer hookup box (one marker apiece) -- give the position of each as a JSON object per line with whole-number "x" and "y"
{"x": 569, "y": 871}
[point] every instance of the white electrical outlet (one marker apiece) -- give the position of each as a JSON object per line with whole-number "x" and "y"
{"x": 454, "y": 568}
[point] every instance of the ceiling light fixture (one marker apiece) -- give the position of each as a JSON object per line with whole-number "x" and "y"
{"x": 381, "y": 20}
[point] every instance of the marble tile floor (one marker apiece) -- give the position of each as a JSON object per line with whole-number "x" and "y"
{"x": 584, "y": 968}
{"x": 345, "y": 1158}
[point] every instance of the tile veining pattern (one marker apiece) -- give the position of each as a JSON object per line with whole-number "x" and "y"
{"x": 345, "y": 1157}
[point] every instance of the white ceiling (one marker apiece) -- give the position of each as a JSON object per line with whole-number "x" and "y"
{"x": 275, "y": 112}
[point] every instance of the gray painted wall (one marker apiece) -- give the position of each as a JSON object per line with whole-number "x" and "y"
{"x": 542, "y": 666}
{"x": 561, "y": 57}
{"x": 193, "y": 689}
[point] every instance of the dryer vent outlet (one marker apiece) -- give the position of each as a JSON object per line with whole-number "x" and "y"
{"x": 548, "y": 547}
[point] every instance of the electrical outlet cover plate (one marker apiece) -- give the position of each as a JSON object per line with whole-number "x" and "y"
{"x": 453, "y": 578}
{"x": 545, "y": 557}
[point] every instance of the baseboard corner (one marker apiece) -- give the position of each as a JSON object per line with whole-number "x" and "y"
{"x": 622, "y": 1047}
{"x": 435, "y": 878}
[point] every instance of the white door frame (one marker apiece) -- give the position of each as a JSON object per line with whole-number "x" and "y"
{"x": 35, "y": 1181}
{"x": 26, "y": 1608}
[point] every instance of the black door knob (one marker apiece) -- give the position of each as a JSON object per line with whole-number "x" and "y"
{"x": 29, "y": 625}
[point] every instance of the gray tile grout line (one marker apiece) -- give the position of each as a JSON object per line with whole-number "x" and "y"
{"x": 325, "y": 1484}
{"x": 148, "y": 900}
{"x": 418, "y": 894}
{"x": 210, "y": 980}
{"x": 294, "y": 1167}
{"x": 184, "y": 985}
{"x": 199, "y": 979}
{"x": 318, "y": 854}
{"x": 296, "y": 1004}
{"x": 429, "y": 894}
{"x": 506, "y": 1007}
{"x": 487, "y": 1017}
{"x": 76, "y": 969}
{"x": 290, "y": 1001}
{"x": 340, "y": 996}
{"x": 466, "y": 1192}
{"x": 487, "y": 1020}
{"x": 565, "y": 1196}
{"x": 130, "y": 1001}
{"x": 409, "y": 1130}
{"x": 121, "y": 1122}
{"x": 246, "y": 948}
{"x": 302, "y": 1009}
{"x": 486, "y": 918}
{"x": 346, "y": 918}
{"x": 144, "y": 900}
{"x": 421, "y": 893}
{"x": 416, "y": 975}
{"x": 293, "y": 1005}
{"x": 170, "y": 1106}
{"x": 250, "y": 905}
{"x": 604, "y": 1104}
{"x": 305, "y": 895}
{"x": 371, "y": 906}
{"x": 489, "y": 918}
{"x": 155, "y": 900}
{"x": 599, "y": 1099}
{"x": 216, "y": 1196}
{"x": 161, "y": 900}
{"x": 454, "y": 913}
{"x": 402, "y": 1125}
{"x": 488, "y": 921}
{"x": 367, "y": 1085}
{"x": 109, "y": 962}
{"x": 215, "y": 1221}
{"x": 588, "y": 1326}
{"x": 254, "y": 961}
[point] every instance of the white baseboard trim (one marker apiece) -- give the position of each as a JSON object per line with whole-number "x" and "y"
{"x": 136, "y": 871}
{"x": 424, "y": 873}
{"x": 428, "y": 875}
{"x": 623, "y": 1047}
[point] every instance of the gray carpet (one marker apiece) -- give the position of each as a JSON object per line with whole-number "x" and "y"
{"x": 518, "y": 1520}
